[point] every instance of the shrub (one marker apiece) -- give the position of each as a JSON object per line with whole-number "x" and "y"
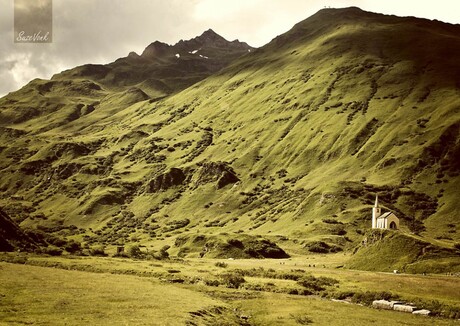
{"x": 368, "y": 297}
{"x": 135, "y": 252}
{"x": 52, "y": 251}
{"x": 221, "y": 264}
{"x": 316, "y": 284}
{"x": 176, "y": 224}
{"x": 256, "y": 287}
{"x": 162, "y": 254}
{"x": 338, "y": 231}
{"x": 416, "y": 226}
{"x": 331, "y": 221}
{"x": 98, "y": 251}
{"x": 211, "y": 282}
{"x": 56, "y": 241}
{"x": 321, "y": 247}
{"x": 235, "y": 243}
{"x": 302, "y": 319}
{"x": 450, "y": 312}
{"x": 232, "y": 280}
{"x": 121, "y": 255}
{"x": 342, "y": 295}
{"x": 16, "y": 259}
{"x": 173, "y": 271}
{"x": 318, "y": 247}
{"x": 164, "y": 251}
{"x": 72, "y": 247}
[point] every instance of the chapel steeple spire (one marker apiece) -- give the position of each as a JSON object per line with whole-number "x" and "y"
{"x": 376, "y": 212}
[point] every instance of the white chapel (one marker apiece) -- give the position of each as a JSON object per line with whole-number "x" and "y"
{"x": 387, "y": 220}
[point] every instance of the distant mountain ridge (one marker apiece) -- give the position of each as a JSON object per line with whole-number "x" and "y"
{"x": 208, "y": 39}
{"x": 160, "y": 70}
{"x": 165, "y": 63}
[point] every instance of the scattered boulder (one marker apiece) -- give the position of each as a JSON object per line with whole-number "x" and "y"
{"x": 404, "y": 308}
{"x": 385, "y": 304}
{"x": 382, "y": 304}
{"x": 423, "y": 312}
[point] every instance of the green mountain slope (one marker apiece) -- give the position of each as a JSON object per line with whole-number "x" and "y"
{"x": 291, "y": 141}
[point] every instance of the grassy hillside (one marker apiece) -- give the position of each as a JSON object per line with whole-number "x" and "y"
{"x": 291, "y": 142}
{"x": 389, "y": 251}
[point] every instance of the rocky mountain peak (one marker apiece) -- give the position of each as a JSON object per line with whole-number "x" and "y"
{"x": 209, "y": 38}
{"x": 155, "y": 49}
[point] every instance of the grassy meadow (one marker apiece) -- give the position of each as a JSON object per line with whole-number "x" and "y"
{"x": 116, "y": 291}
{"x": 49, "y": 296}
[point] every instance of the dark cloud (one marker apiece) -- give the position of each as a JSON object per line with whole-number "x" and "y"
{"x": 33, "y": 16}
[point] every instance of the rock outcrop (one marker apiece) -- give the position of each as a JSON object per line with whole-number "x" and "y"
{"x": 174, "y": 177}
{"x": 219, "y": 172}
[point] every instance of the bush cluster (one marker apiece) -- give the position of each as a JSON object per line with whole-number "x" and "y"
{"x": 316, "y": 284}
{"x": 232, "y": 280}
{"x": 52, "y": 244}
{"x": 221, "y": 264}
{"x": 98, "y": 251}
{"x": 321, "y": 247}
{"x": 293, "y": 275}
{"x": 135, "y": 252}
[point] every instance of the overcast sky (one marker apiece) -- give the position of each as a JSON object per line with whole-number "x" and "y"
{"x": 100, "y": 31}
